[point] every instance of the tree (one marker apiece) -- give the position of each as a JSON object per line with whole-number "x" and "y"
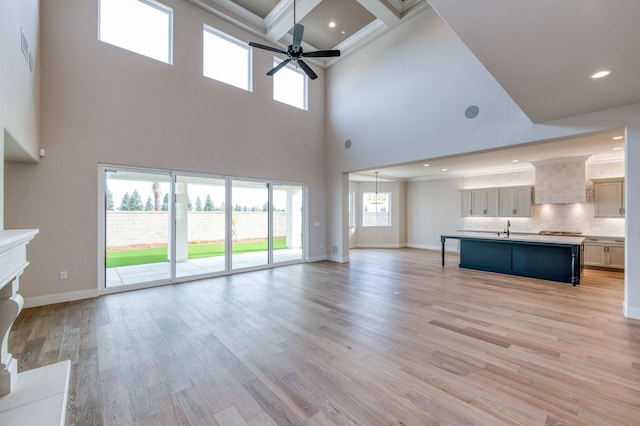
{"x": 165, "y": 203}
{"x": 110, "y": 205}
{"x": 208, "y": 204}
{"x": 157, "y": 191}
{"x": 149, "y": 206}
{"x": 189, "y": 205}
{"x": 265, "y": 207}
{"x": 237, "y": 208}
{"x": 198, "y": 204}
{"x": 135, "y": 202}
{"x": 124, "y": 204}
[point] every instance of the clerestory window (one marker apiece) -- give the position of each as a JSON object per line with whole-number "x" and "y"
{"x": 141, "y": 26}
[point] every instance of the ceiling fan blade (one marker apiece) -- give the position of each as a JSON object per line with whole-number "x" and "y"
{"x": 312, "y": 75}
{"x": 262, "y": 46}
{"x": 321, "y": 54}
{"x": 279, "y": 67}
{"x": 298, "y": 30}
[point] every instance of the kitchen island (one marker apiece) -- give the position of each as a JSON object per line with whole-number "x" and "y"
{"x": 554, "y": 258}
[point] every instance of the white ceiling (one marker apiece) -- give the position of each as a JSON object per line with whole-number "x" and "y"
{"x": 541, "y": 52}
{"x": 600, "y": 148}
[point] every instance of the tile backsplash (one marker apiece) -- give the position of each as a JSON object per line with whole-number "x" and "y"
{"x": 555, "y": 217}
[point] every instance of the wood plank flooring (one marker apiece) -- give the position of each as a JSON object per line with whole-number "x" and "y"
{"x": 389, "y": 338}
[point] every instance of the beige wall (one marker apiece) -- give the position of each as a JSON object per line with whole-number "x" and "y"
{"x": 19, "y": 86}
{"x": 433, "y": 209}
{"x": 102, "y": 104}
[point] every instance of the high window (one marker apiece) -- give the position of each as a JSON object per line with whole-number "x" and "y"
{"x": 290, "y": 86}
{"x": 141, "y": 26}
{"x": 226, "y": 59}
{"x": 376, "y": 209}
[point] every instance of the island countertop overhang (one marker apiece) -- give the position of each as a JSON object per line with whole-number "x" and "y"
{"x": 521, "y": 238}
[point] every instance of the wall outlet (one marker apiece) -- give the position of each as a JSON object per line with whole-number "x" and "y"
{"x": 64, "y": 275}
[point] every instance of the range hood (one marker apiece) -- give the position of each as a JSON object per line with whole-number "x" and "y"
{"x": 561, "y": 180}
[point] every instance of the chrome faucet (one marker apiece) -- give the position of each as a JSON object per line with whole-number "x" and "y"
{"x": 508, "y": 226}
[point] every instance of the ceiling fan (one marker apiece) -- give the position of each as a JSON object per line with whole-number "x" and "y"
{"x": 295, "y": 52}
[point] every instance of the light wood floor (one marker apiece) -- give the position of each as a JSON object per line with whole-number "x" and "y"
{"x": 390, "y": 338}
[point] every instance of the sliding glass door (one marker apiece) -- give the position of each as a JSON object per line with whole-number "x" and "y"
{"x": 200, "y": 226}
{"x": 249, "y": 224}
{"x": 137, "y": 227}
{"x": 287, "y": 222}
{"x": 166, "y": 226}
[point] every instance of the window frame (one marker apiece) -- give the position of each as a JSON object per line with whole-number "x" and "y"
{"x": 365, "y": 204}
{"x": 305, "y": 89}
{"x": 242, "y": 44}
{"x": 155, "y": 5}
{"x": 352, "y": 209}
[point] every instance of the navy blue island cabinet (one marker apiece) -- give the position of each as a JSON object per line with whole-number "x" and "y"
{"x": 553, "y": 258}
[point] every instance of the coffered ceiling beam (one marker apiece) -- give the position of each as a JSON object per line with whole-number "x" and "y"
{"x": 232, "y": 12}
{"x": 383, "y": 10}
{"x": 280, "y": 20}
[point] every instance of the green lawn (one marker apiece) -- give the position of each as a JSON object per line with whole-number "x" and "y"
{"x": 196, "y": 251}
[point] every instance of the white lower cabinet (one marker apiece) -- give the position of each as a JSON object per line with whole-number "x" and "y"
{"x": 604, "y": 253}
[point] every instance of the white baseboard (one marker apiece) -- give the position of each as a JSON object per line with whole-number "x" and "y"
{"x": 318, "y": 258}
{"x": 50, "y": 299}
{"x": 381, "y": 245}
{"x": 630, "y": 311}
{"x": 338, "y": 259}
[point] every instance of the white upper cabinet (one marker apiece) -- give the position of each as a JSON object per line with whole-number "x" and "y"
{"x": 609, "y": 197}
{"x": 515, "y": 202}
{"x": 465, "y": 203}
{"x": 493, "y": 202}
{"x": 484, "y": 202}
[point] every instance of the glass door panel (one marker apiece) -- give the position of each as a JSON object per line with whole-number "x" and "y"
{"x": 287, "y": 223}
{"x": 249, "y": 224}
{"x": 200, "y": 226}
{"x": 137, "y": 227}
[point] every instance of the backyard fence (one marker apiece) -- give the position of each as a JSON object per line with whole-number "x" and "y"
{"x": 152, "y": 228}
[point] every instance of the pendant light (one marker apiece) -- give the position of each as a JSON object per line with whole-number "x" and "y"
{"x": 376, "y": 202}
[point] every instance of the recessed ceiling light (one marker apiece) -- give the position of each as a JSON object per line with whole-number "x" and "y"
{"x": 332, "y": 24}
{"x": 427, "y": 165}
{"x": 342, "y": 32}
{"x": 617, "y": 148}
{"x": 444, "y": 170}
{"x": 615, "y": 138}
{"x": 600, "y": 74}
{"x": 515, "y": 161}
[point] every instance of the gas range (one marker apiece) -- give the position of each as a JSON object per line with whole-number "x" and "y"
{"x": 561, "y": 233}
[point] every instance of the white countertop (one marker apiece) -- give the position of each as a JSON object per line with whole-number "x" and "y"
{"x": 552, "y": 239}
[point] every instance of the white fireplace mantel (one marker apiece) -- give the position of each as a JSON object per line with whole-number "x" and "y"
{"x": 36, "y": 396}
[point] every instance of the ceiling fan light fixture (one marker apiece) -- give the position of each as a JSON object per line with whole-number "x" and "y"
{"x": 295, "y": 53}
